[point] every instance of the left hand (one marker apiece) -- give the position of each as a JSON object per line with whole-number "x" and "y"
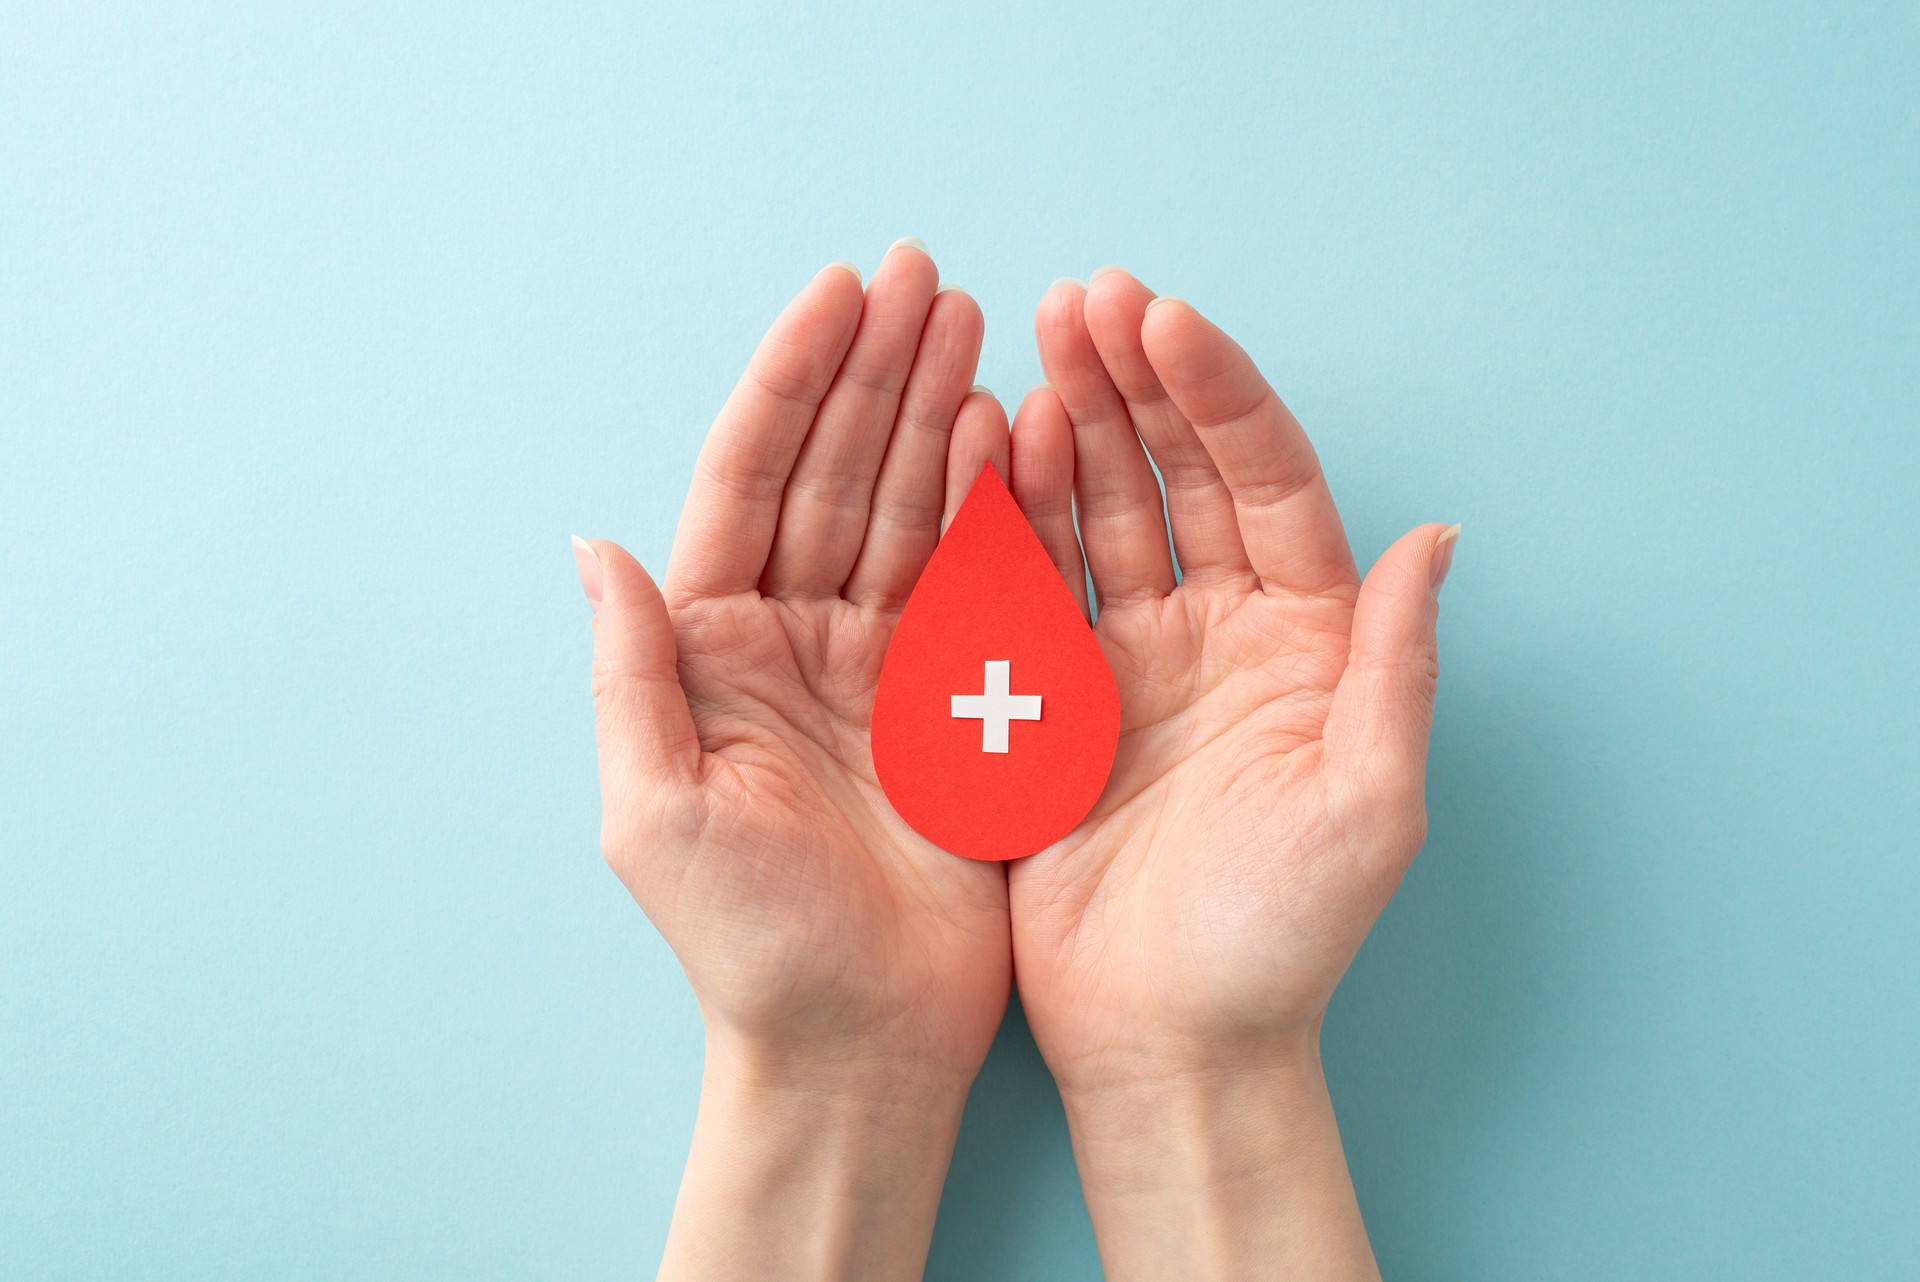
{"x": 851, "y": 975}
{"x": 1267, "y": 793}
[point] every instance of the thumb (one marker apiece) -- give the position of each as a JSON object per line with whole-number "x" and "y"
{"x": 1376, "y": 731}
{"x": 646, "y": 733}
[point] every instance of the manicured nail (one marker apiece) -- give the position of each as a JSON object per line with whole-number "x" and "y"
{"x": 845, "y": 266}
{"x": 1443, "y": 555}
{"x": 944, "y": 287}
{"x": 592, "y": 575}
{"x": 1098, "y": 272}
{"x": 980, "y": 389}
{"x": 911, "y": 242}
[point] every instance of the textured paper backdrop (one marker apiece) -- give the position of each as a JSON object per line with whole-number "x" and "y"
{"x": 322, "y": 326}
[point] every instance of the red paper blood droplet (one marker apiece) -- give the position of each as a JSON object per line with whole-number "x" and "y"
{"x": 1019, "y": 758}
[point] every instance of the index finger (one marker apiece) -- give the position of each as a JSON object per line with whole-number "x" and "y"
{"x": 1288, "y": 522}
{"x": 726, "y": 528}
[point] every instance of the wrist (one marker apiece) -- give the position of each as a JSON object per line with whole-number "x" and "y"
{"x": 1167, "y": 1122}
{"x": 867, "y": 1071}
{"x": 1163, "y": 1060}
{"x": 1226, "y": 1168}
{"x": 825, "y": 1162}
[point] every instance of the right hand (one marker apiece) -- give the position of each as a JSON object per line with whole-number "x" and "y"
{"x": 820, "y": 934}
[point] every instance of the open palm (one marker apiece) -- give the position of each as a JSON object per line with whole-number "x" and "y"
{"x": 741, "y": 807}
{"x": 1267, "y": 791}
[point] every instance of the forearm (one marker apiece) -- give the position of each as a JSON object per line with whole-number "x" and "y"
{"x": 815, "y": 1171}
{"x": 1219, "y": 1171}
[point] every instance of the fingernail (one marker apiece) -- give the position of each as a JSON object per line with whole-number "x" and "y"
{"x": 592, "y": 576}
{"x": 846, "y": 266}
{"x": 1167, "y": 298}
{"x": 980, "y": 389}
{"x": 944, "y": 287}
{"x": 1443, "y": 555}
{"x": 1098, "y": 272}
{"x": 911, "y": 242}
{"x": 1075, "y": 281}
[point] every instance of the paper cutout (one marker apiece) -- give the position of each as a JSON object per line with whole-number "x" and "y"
{"x": 971, "y": 765}
{"x": 997, "y": 705}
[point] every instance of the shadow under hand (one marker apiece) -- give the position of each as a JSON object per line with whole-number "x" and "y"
{"x": 1012, "y": 1210}
{"x": 1459, "y": 1039}
{"x": 1452, "y": 1044}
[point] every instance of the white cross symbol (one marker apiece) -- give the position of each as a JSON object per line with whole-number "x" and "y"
{"x": 996, "y": 707}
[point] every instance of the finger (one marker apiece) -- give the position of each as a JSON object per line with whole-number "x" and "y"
{"x": 1042, "y": 484}
{"x": 979, "y": 439}
{"x": 1206, "y": 533}
{"x": 1287, "y": 519}
{"x": 646, "y": 733}
{"x": 1382, "y": 714}
{"x": 1122, "y": 525}
{"x": 904, "y": 523}
{"x": 733, "y": 507}
{"x": 823, "y": 516}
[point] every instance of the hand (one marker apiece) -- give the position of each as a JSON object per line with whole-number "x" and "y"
{"x": 1176, "y": 953}
{"x": 851, "y": 976}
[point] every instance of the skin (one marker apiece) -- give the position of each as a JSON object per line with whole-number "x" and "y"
{"x": 1176, "y": 952}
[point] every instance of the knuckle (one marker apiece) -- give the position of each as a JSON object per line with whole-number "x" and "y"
{"x": 639, "y": 827}
{"x": 1409, "y": 833}
{"x": 613, "y": 849}
{"x": 1383, "y": 807}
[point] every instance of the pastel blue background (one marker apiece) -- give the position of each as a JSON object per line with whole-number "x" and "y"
{"x": 322, "y": 327}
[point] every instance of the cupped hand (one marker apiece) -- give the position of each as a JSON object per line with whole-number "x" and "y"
{"x": 733, "y": 702}
{"x": 1267, "y": 794}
